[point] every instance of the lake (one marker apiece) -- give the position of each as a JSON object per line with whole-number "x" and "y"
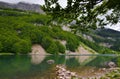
{"x": 36, "y": 66}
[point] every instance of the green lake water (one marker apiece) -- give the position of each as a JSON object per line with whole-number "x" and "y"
{"x": 36, "y": 66}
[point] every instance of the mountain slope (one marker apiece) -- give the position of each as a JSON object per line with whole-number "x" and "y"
{"x": 22, "y": 6}
{"x": 20, "y": 30}
{"x": 106, "y": 37}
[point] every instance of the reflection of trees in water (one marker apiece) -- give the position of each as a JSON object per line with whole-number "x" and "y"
{"x": 20, "y": 66}
{"x": 80, "y": 59}
{"x": 11, "y": 66}
{"x": 101, "y": 61}
{"x": 45, "y": 70}
{"x": 72, "y": 62}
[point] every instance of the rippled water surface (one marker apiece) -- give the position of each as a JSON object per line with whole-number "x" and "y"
{"x": 36, "y": 66}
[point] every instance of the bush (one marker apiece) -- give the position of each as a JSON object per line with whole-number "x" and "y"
{"x": 57, "y": 29}
{"x": 7, "y": 43}
{"x": 1, "y": 46}
{"x": 72, "y": 43}
{"x": 46, "y": 42}
{"x": 39, "y": 19}
{"x": 36, "y": 36}
{"x": 48, "y": 31}
{"x": 61, "y": 35}
{"x": 61, "y": 48}
{"x": 23, "y": 47}
{"x": 118, "y": 62}
{"x": 53, "y": 49}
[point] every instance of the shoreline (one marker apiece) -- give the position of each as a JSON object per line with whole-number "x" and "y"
{"x": 70, "y": 54}
{"x": 102, "y": 73}
{"x": 7, "y": 54}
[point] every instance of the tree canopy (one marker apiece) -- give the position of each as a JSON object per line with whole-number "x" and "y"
{"x": 83, "y": 11}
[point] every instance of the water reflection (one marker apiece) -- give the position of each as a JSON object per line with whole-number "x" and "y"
{"x": 37, "y": 59}
{"x": 81, "y": 59}
{"x": 36, "y": 67}
{"x": 38, "y": 54}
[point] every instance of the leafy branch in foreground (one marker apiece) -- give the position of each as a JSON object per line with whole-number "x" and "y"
{"x": 84, "y": 12}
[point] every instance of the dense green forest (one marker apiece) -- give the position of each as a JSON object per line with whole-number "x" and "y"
{"x": 19, "y": 30}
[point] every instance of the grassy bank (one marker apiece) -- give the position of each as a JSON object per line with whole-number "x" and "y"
{"x": 6, "y": 54}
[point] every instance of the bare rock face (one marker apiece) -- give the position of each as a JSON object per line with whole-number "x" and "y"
{"x": 23, "y": 6}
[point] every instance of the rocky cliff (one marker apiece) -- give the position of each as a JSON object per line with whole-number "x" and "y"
{"x": 23, "y": 6}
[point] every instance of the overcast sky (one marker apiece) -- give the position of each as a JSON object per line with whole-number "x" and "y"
{"x": 41, "y": 2}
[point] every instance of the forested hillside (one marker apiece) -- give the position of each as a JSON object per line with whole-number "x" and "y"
{"x": 19, "y": 30}
{"x": 105, "y": 37}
